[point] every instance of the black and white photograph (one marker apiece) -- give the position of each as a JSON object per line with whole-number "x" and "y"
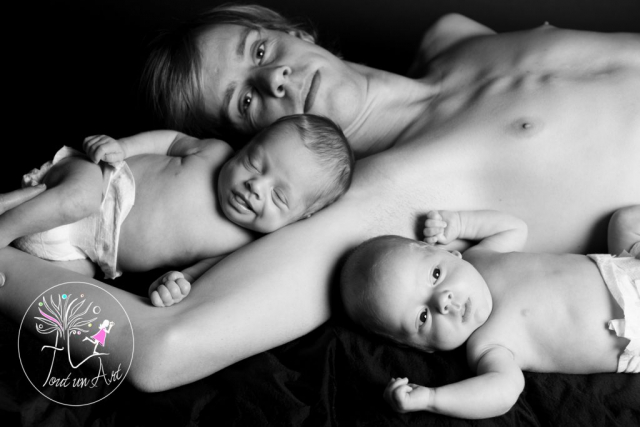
{"x": 321, "y": 213}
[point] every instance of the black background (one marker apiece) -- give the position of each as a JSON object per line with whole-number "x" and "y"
{"x": 71, "y": 69}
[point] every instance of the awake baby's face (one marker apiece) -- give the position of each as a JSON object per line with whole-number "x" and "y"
{"x": 429, "y": 298}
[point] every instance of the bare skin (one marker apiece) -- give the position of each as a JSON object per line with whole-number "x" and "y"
{"x": 498, "y": 121}
{"x": 548, "y": 312}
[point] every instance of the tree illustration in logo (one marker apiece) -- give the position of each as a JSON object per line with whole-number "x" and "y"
{"x": 64, "y": 318}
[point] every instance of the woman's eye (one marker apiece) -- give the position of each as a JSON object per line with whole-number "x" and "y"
{"x": 436, "y": 273}
{"x": 246, "y": 102}
{"x": 423, "y": 317}
{"x": 260, "y": 51}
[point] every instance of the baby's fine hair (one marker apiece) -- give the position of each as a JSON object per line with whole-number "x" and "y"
{"x": 358, "y": 278}
{"x": 172, "y": 76}
{"x": 330, "y": 148}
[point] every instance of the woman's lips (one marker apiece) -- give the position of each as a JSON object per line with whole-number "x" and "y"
{"x": 313, "y": 90}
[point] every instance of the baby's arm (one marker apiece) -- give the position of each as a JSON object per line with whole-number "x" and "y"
{"x": 166, "y": 142}
{"x": 174, "y": 286}
{"x": 493, "y": 392}
{"x": 497, "y": 231}
{"x": 624, "y": 229}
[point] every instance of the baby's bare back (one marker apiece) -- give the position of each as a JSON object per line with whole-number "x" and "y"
{"x": 175, "y": 220}
{"x": 551, "y": 311}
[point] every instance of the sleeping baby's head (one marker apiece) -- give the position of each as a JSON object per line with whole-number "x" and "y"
{"x": 291, "y": 169}
{"x": 414, "y": 293}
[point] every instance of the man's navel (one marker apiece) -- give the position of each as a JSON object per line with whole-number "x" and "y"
{"x": 525, "y": 127}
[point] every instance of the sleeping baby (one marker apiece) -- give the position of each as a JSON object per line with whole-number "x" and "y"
{"x": 515, "y": 311}
{"x": 176, "y": 201}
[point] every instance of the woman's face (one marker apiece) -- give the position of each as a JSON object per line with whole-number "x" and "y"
{"x": 252, "y": 77}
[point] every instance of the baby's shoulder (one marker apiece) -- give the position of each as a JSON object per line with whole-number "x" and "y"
{"x": 483, "y": 342}
{"x": 217, "y": 148}
{"x": 212, "y": 152}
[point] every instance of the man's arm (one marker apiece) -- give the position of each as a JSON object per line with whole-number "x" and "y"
{"x": 493, "y": 392}
{"x": 444, "y": 33}
{"x": 497, "y": 231}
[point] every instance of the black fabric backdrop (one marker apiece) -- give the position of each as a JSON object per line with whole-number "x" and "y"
{"x": 74, "y": 69}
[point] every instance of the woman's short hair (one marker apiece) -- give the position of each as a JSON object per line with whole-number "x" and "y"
{"x": 172, "y": 75}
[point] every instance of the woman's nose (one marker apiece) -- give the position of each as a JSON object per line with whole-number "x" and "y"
{"x": 274, "y": 80}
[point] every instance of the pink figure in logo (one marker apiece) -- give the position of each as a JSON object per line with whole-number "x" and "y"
{"x": 100, "y": 336}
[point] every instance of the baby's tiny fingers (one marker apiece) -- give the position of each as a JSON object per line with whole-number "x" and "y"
{"x": 172, "y": 276}
{"x": 174, "y": 290}
{"x": 184, "y": 285}
{"x": 156, "y": 300}
{"x": 165, "y": 295}
{"x": 432, "y": 231}
{"x": 434, "y": 215}
{"x": 435, "y": 223}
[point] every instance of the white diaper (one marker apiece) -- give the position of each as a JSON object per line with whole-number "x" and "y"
{"x": 95, "y": 237}
{"x": 622, "y": 276}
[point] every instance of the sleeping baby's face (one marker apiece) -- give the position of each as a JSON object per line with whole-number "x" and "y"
{"x": 271, "y": 182}
{"x": 429, "y": 298}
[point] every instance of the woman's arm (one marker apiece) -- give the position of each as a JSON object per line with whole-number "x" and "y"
{"x": 261, "y": 296}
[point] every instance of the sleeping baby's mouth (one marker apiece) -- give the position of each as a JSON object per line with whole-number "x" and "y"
{"x": 466, "y": 310}
{"x": 242, "y": 203}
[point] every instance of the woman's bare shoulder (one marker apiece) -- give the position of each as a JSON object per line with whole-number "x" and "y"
{"x": 446, "y": 32}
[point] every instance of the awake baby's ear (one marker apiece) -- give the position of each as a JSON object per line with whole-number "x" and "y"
{"x": 456, "y": 253}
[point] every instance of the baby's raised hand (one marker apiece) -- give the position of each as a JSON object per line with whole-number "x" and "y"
{"x": 406, "y": 397}
{"x": 169, "y": 289}
{"x": 103, "y": 147}
{"x": 441, "y": 227}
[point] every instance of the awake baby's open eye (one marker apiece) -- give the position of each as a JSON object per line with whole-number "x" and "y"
{"x": 436, "y": 273}
{"x": 423, "y": 316}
